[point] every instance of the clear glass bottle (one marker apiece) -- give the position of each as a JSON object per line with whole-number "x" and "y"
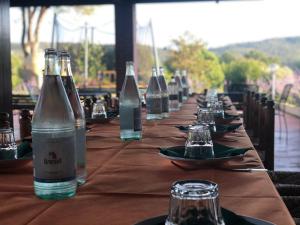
{"x": 53, "y": 137}
{"x": 80, "y": 138}
{"x": 130, "y": 107}
{"x": 185, "y": 85}
{"x": 164, "y": 93}
{"x": 180, "y": 88}
{"x": 173, "y": 95}
{"x": 154, "y": 98}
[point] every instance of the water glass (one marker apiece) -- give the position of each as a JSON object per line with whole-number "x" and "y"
{"x": 205, "y": 116}
{"x": 99, "y": 111}
{"x": 218, "y": 109}
{"x": 199, "y": 144}
{"x": 194, "y": 202}
{"x": 8, "y": 146}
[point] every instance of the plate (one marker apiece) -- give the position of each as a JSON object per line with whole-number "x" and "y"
{"x": 160, "y": 220}
{"x": 197, "y": 162}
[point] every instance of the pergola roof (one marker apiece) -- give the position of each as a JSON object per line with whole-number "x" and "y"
{"x": 94, "y": 2}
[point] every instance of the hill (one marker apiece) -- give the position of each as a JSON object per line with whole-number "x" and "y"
{"x": 286, "y": 49}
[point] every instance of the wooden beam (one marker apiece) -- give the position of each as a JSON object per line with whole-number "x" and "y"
{"x": 125, "y": 22}
{"x": 97, "y": 2}
{"x": 5, "y": 62}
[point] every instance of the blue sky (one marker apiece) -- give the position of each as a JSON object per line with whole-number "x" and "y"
{"x": 216, "y": 24}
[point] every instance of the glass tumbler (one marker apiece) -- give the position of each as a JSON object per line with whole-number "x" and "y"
{"x": 206, "y": 117}
{"x": 99, "y": 111}
{"x": 199, "y": 144}
{"x": 8, "y": 146}
{"x": 218, "y": 109}
{"x": 194, "y": 202}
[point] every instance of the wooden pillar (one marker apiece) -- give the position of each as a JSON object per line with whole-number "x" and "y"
{"x": 5, "y": 62}
{"x": 125, "y": 22}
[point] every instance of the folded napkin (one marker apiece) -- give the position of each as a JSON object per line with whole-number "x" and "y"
{"x": 230, "y": 218}
{"x": 220, "y": 128}
{"x": 219, "y": 150}
{"x": 229, "y": 116}
{"x": 24, "y": 150}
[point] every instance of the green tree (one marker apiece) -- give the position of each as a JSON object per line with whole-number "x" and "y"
{"x": 244, "y": 70}
{"x": 145, "y": 61}
{"x": 94, "y": 58}
{"x": 16, "y": 61}
{"x": 203, "y": 66}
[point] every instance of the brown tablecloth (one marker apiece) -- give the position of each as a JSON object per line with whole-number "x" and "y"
{"x": 128, "y": 181}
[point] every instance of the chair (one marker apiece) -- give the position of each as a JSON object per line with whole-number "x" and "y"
{"x": 288, "y": 186}
{"x": 265, "y": 143}
{"x": 280, "y": 108}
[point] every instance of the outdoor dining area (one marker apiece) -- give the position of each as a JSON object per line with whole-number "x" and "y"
{"x": 161, "y": 156}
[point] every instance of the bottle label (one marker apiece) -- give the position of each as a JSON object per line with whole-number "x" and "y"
{"x": 53, "y": 157}
{"x": 173, "y": 97}
{"x": 180, "y": 96}
{"x": 154, "y": 105}
{"x": 165, "y": 104}
{"x": 185, "y": 92}
{"x": 137, "y": 119}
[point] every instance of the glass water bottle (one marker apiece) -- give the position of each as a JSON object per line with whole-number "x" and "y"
{"x": 80, "y": 138}
{"x": 180, "y": 87}
{"x": 185, "y": 85}
{"x": 154, "y": 98}
{"x": 130, "y": 107}
{"x": 164, "y": 93}
{"x": 53, "y": 137}
{"x": 173, "y": 95}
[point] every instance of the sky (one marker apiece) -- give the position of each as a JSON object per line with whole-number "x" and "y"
{"x": 217, "y": 24}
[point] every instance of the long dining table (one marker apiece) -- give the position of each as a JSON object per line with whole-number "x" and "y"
{"x": 129, "y": 181}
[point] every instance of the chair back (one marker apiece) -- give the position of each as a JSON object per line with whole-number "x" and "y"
{"x": 268, "y": 136}
{"x": 285, "y": 93}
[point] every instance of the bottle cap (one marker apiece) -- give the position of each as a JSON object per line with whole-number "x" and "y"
{"x": 50, "y": 51}
{"x": 64, "y": 53}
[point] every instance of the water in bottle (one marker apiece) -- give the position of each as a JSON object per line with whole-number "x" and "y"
{"x": 130, "y": 107}
{"x": 185, "y": 85}
{"x": 173, "y": 95}
{"x": 154, "y": 98}
{"x": 180, "y": 88}
{"x": 80, "y": 138}
{"x": 164, "y": 93}
{"x": 53, "y": 137}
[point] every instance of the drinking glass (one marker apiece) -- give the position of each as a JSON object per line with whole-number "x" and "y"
{"x": 199, "y": 144}
{"x": 218, "y": 109}
{"x": 99, "y": 110}
{"x": 8, "y": 146}
{"x": 206, "y": 117}
{"x": 194, "y": 202}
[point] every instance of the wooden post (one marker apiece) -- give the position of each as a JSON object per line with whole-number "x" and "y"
{"x": 5, "y": 62}
{"x": 125, "y": 22}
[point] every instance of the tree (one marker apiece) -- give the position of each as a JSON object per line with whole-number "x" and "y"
{"x": 77, "y": 55}
{"x": 244, "y": 70}
{"x": 203, "y": 66}
{"x": 32, "y": 18}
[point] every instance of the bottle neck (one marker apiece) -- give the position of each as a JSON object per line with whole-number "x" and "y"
{"x": 65, "y": 67}
{"x": 129, "y": 70}
{"x": 51, "y": 65}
